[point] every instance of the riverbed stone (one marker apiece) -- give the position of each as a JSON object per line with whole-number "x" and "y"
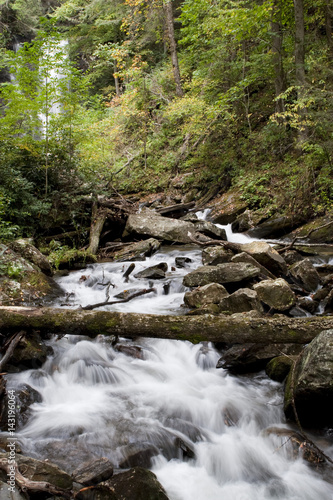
{"x": 267, "y": 256}
{"x": 319, "y": 230}
{"x": 277, "y": 294}
{"x": 242, "y": 300}
{"x": 222, "y": 273}
{"x": 278, "y": 368}
{"x": 164, "y": 228}
{"x": 137, "y": 484}
{"x": 137, "y": 251}
{"x": 93, "y": 472}
{"x": 245, "y": 257}
{"x": 153, "y": 272}
{"x": 227, "y": 207}
{"x": 306, "y": 275}
{"x": 275, "y": 227}
{"x": 7, "y": 494}
{"x": 209, "y": 229}
{"x": 249, "y": 357}
{"x": 211, "y": 256}
{"x": 312, "y": 386}
{"x": 212, "y": 293}
{"x": 31, "y": 352}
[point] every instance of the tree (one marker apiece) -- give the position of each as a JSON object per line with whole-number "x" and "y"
{"x": 173, "y": 46}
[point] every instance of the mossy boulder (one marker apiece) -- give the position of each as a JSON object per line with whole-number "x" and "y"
{"x": 278, "y": 368}
{"x": 212, "y": 293}
{"x": 25, "y": 248}
{"x": 316, "y": 231}
{"x": 276, "y": 294}
{"x": 137, "y": 484}
{"x": 312, "y": 383}
{"x": 227, "y": 207}
{"x": 222, "y": 273}
{"x": 31, "y": 352}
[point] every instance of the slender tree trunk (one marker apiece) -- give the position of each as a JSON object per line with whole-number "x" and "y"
{"x": 329, "y": 16}
{"x": 300, "y": 62}
{"x": 173, "y": 46}
{"x": 116, "y": 79}
{"x": 277, "y": 40}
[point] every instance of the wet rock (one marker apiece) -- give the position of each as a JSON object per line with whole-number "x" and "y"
{"x": 276, "y": 294}
{"x": 153, "y": 272}
{"x": 313, "y": 388}
{"x": 25, "y": 248}
{"x": 37, "y": 470}
{"x": 25, "y": 397}
{"x": 137, "y": 484}
{"x": 292, "y": 256}
{"x": 211, "y": 256}
{"x": 134, "y": 351}
{"x": 308, "y": 304}
{"x": 137, "y": 251}
{"x": 248, "y": 220}
{"x": 227, "y": 207}
{"x": 212, "y": 293}
{"x": 247, "y": 358}
{"x": 266, "y": 256}
{"x": 182, "y": 261}
{"x": 328, "y": 303}
{"x": 275, "y": 227}
{"x": 31, "y": 352}
{"x": 127, "y": 293}
{"x": 278, "y": 368}
{"x": 139, "y": 456}
{"x": 242, "y": 300}
{"x": 305, "y": 273}
{"x": 94, "y": 472}
{"x": 317, "y": 231}
{"x": 222, "y": 273}
{"x": 210, "y": 230}
{"x": 163, "y": 228}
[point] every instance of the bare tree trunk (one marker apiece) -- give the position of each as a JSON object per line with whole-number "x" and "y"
{"x": 173, "y": 46}
{"x": 329, "y": 16}
{"x": 116, "y": 79}
{"x": 235, "y": 329}
{"x": 300, "y": 62}
{"x": 98, "y": 217}
{"x": 277, "y": 40}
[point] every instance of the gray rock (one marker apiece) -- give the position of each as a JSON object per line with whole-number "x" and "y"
{"x": 137, "y": 251}
{"x": 163, "y": 228}
{"x": 266, "y": 256}
{"x": 153, "y": 272}
{"x": 247, "y": 358}
{"x": 278, "y": 368}
{"x": 25, "y": 248}
{"x": 276, "y": 294}
{"x": 211, "y": 256}
{"x": 313, "y": 386}
{"x": 182, "y": 261}
{"x": 212, "y": 293}
{"x": 242, "y": 300}
{"x": 222, "y": 273}
{"x": 209, "y": 229}
{"x": 94, "y": 472}
{"x": 137, "y": 484}
{"x": 305, "y": 273}
{"x": 31, "y": 352}
{"x": 245, "y": 257}
{"x": 6, "y": 494}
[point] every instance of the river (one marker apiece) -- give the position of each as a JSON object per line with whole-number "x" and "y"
{"x": 165, "y": 406}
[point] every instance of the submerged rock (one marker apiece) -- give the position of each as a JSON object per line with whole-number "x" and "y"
{"x": 313, "y": 387}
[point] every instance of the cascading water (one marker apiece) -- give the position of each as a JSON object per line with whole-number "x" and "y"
{"x": 166, "y": 406}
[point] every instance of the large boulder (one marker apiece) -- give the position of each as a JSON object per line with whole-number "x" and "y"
{"x": 137, "y": 251}
{"x": 245, "y": 257}
{"x": 137, "y": 484}
{"x": 275, "y": 227}
{"x": 227, "y": 207}
{"x": 267, "y": 256}
{"x": 306, "y": 275}
{"x": 222, "y": 273}
{"x": 163, "y": 228}
{"x": 317, "y": 231}
{"x": 211, "y": 256}
{"x": 243, "y": 300}
{"x": 276, "y": 294}
{"x": 212, "y": 293}
{"x": 31, "y": 352}
{"x": 25, "y": 248}
{"x": 311, "y": 385}
{"x": 278, "y": 368}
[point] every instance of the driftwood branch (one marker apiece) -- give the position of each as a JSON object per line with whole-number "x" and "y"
{"x": 130, "y": 297}
{"x": 28, "y": 485}
{"x": 231, "y": 329}
{"x": 10, "y": 350}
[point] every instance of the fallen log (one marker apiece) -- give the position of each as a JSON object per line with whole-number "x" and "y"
{"x": 234, "y": 329}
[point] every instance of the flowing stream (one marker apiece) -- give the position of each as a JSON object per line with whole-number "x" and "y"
{"x": 162, "y": 403}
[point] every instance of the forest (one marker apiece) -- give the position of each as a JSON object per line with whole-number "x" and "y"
{"x": 107, "y": 96}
